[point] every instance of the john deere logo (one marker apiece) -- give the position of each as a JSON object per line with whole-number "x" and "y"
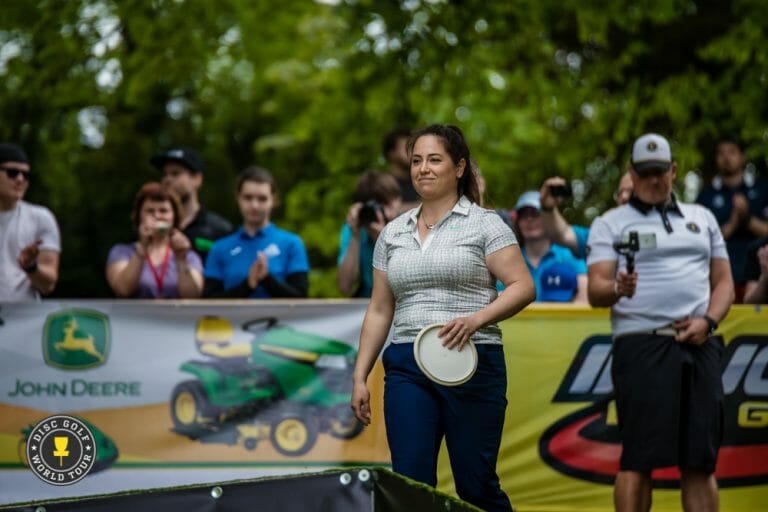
{"x": 75, "y": 339}
{"x": 61, "y": 450}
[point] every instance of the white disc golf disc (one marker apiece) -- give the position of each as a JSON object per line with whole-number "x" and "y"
{"x": 441, "y": 365}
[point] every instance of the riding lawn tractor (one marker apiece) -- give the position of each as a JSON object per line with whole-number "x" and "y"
{"x": 286, "y": 385}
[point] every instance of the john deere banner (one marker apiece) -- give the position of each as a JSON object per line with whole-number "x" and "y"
{"x": 191, "y": 392}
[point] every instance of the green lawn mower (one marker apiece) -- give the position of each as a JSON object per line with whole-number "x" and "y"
{"x": 286, "y": 385}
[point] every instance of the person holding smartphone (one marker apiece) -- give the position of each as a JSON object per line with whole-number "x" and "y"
{"x": 160, "y": 264}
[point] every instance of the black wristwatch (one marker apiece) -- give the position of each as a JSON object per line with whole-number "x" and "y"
{"x": 712, "y": 324}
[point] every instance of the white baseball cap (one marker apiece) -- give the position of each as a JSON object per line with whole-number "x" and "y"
{"x": 651, "y": 151}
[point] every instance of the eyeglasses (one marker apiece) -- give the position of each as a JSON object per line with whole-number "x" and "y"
{"x": 15, "y": 173}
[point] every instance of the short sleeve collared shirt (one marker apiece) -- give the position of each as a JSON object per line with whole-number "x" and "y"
{"x": 445, "y": 276}
{"x": 673, "y": 270}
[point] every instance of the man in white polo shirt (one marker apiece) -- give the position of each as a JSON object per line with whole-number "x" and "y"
{"x": 664, "y": 310}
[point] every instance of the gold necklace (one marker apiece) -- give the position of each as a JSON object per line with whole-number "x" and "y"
{"x": 426, "y": 224}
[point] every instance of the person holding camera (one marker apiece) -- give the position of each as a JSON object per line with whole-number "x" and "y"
{"x": 377, "y": 201}
{"x": 553, "y": 191}
{"x": 665, "y": 308}
{"x": 259, "y": 260}
{"x": 557, "y": 274}
{"x": 161, "y": 263}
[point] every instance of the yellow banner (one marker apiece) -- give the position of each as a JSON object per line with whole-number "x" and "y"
{"x": 560, "y": 448}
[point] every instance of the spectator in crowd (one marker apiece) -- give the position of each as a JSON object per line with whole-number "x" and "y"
{"x": 573, "y": 237}
{"x": 739, "y": 201}
{"x": 557, "y": 274}
{"x": 756, "y": 272}
{"x": 376, "y": 202}
{"x": 259, "y": 260}
{"x": 30, "y": 243}
{"x": 396, "y": 155}
{"x": 182, "y": 170}
{"x": 161, "y": 263}
{"x": 435, "y": 265}
{"x": 666, "y": 363}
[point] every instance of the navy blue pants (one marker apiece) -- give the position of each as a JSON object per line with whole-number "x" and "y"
{"x": 419, "y": 412}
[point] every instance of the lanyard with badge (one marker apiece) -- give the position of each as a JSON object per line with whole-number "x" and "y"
{"x": 160, "y": 276}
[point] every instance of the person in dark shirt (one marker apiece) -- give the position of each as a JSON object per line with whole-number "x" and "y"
{"x": 756, "y": 272}
{"x": 739, "y": 201}
{"x": 393, "y": 149}
{"x": 182, "y": 170}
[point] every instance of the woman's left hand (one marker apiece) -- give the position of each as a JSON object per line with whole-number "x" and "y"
{"x": 179, "y": 243}
{"x": 457, "y": 332}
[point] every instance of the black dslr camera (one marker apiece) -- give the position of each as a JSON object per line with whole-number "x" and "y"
{"x": 369, "y": 213}
{"x": 561, "y": 190}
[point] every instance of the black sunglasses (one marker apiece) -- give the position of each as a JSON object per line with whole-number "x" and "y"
{"x": 14, "y": 173}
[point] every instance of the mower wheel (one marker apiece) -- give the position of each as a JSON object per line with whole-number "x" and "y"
{"x": 189, "y": 404}
{"x": 293, "y": 433}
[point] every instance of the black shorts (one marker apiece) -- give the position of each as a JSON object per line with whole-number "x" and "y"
{"x": 669, "y": 400}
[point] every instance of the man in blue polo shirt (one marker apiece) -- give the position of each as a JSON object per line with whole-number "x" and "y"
{"x": 259, "y": 260}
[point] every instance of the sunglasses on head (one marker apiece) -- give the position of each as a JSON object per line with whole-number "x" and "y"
{"x": 14, "y": 173}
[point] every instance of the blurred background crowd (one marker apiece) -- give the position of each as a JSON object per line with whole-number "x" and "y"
{"x": 98, "y": 94}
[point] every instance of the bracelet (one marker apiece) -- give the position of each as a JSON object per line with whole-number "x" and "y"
{"x": 31, "y": 268}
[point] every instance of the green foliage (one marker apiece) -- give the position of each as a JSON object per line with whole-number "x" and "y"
{"x": 92, "y": 88}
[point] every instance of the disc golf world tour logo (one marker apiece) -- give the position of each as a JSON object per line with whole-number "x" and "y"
{"x": 61, "y": 450}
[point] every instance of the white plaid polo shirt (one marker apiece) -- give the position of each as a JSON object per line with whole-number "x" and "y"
{"x": 445, "y": 276}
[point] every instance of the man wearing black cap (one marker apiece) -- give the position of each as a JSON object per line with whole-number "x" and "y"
{"x": 667, "y": 292}
{"x": 30, "y": 243}
{"x": 183, "y": 173}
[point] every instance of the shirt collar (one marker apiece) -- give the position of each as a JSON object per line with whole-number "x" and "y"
{"x": 644, "y": 208}
{"x": 461, "y": 207}
{"x": 242, "y": 233}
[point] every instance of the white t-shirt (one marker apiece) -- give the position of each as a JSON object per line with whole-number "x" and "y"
{"x": 20, "y": 227}
{"x": 672, "y": 278}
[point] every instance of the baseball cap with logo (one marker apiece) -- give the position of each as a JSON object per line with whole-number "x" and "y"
{"x": 185, "y": 156}
{"x": 651, "y": 151}
{"x": 558, "y": 283}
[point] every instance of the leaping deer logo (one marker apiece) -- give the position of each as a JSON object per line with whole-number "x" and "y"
{"x": 72, "y": 343}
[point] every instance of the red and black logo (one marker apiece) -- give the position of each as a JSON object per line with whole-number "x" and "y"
{"x": 586, "y": 444}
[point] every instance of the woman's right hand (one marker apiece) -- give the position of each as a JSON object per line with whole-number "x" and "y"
{"x": 361, "y": 402}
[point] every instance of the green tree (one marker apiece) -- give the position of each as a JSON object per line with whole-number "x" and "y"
{"x": 92, "y": 88}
